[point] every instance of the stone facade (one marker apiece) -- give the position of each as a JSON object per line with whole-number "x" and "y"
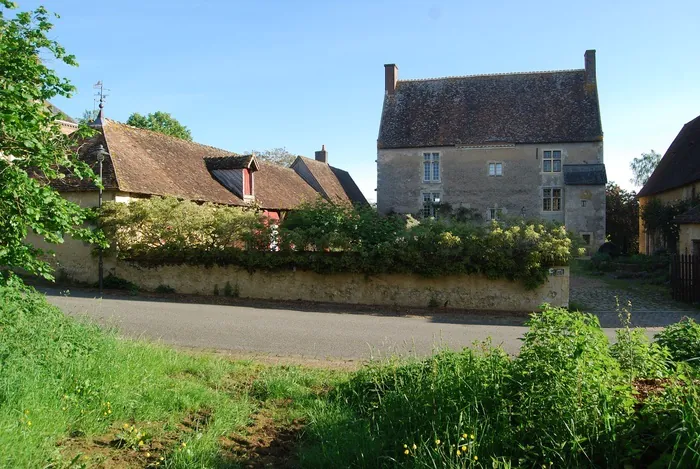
{"x": 465, "y": 182}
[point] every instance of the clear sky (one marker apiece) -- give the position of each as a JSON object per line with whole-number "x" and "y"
{"x": 263, "y": 74}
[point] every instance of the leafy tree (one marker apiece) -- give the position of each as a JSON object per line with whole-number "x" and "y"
{"x": 33, "y": 151}
{"x": 278, "y": 156}
{"x": 87, "y": 117}
{"x": 160, "y": 122}
{"x": 643, "y": 167}
{"x": 622, "y": 217}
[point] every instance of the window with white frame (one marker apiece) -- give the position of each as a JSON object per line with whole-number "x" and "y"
{"x": 495, "y": 213}
{"x": 431, "y": 167}
{"x": 430, "y": 201}
{"x": 551, "y": 161}
{"x": 496, "y": 169}
{"x": 551, "y": 199}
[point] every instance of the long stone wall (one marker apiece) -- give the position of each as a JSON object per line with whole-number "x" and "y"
{"x": 463, "y": 292}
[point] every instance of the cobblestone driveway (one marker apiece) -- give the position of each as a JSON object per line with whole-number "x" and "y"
{"x": 650, "y": 308}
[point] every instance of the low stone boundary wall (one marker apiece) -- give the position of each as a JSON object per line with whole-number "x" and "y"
{"x": 74, "y": 261}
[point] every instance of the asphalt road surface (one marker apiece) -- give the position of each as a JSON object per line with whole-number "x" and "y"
{"x": 290, "y": 330}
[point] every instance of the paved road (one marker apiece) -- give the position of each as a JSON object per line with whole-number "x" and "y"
{"x": 309, "y": 333}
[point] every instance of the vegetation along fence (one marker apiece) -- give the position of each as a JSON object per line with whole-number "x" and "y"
{"x": 685, "y": 277}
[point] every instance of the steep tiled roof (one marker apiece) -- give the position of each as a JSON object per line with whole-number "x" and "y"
{"x": 140, "y": 161}
{"x": 353, "y": 192}
{"x": 681, "y": 163}
{"x": 585, "y": 174}
{"x": 324, "y": 175}
{"x": 278, "y": 187}
{"x": 144, "y": 162}
{"x": 515, "y": 108}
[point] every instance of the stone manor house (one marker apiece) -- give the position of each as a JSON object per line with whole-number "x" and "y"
{"x": 501, "y": 145}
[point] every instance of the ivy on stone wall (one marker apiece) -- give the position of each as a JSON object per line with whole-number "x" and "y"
{"x": 659, "y": 217}
{"x": 326, "y": 238}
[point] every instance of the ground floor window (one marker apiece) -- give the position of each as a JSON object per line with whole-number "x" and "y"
{"x": 495, "y": 213}
{"x": 551, "y": 199}
{"x": 430, "y": 200}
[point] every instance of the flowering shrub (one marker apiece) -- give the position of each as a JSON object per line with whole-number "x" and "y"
{"x": 327, "y": 238}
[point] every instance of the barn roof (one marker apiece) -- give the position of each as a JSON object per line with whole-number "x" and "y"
{"x": 680, "y": 164}
{"x": 141, "y": 161}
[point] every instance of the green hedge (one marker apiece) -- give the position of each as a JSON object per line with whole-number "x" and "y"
{"x": 328, "y": 238}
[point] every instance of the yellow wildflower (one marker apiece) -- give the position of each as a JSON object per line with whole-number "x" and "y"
{"x": 184, "y": 444}
{"x": 126, "y": 425}
{"x": 148, "y": 455}
{"x": 472, "y": 436}
{"x": 437, "y": 442}
{"x": 29, "y": 423}
{"x": 405, "y": 446}
{"x": 406, "y": 451}
{"x": 476, "y": 458}
{"x": 464, "y": 448}
{"x": 464, "y": 435}
{"x": 140, "y": 442}
{"x": 459, "y": 453}
{"x": 414, "y": 446}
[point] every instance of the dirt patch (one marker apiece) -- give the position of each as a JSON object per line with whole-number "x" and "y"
{"x": 113, "y": 451}
{"x": 265, "y": 444}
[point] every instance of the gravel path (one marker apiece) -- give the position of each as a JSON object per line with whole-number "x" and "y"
{"x": 650, "y": 308}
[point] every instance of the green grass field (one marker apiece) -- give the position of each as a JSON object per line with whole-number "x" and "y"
{"x": 75, "y": 396}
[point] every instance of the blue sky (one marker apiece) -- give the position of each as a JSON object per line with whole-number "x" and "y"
{"x": 264, "y": 74}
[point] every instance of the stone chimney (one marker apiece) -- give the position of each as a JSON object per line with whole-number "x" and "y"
{"x": 391, "y": 74}
{"x": 589, "y": 62}
{"x": 322, "y": 155}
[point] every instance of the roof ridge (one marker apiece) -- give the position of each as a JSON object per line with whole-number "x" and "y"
{"x": 535, "y": 72}
{"x": 232, "y": 153}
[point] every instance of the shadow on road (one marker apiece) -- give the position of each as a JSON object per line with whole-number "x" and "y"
{"x": 436, "y": 315}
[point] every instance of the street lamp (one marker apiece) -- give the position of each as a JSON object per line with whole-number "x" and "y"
{"x": 101, "y": 153}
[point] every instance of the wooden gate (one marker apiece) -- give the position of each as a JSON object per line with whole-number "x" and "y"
{"x": 685, "y": 277}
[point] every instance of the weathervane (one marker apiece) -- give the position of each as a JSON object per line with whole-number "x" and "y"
{"x": 100, "y": 94}
{"x": 99, "y": 115}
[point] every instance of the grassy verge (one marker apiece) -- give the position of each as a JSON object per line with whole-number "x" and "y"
{"x": 73, "y": 396}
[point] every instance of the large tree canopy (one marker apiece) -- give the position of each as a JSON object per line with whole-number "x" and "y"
{"x": 31, "y": 143}
{"x": 622, "y": 217}
{"x": 160, "y": 122}
{"x": 643, "y": 166}
{"x": 278, "y": 156}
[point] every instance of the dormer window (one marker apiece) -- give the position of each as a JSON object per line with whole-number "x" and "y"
{"x": 235, "y": 173}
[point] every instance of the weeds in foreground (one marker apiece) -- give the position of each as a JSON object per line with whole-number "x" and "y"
{"x": 568, "y": 400}
{"x": 63, "y": 382}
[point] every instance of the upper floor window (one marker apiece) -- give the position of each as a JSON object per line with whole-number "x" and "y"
{"x": 431, "y": 167}
{"x": 430, "y": 202}
{"x": 551, "y": 199}
{"x": 496, "y": 169}
{"x": 551, "y": 161}
{"x": 495, "y": 213}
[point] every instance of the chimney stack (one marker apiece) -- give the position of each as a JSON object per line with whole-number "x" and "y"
{"x": 322, "y": 155}
{"x": 589, "y": 62}
{"x": 391, "y": 74}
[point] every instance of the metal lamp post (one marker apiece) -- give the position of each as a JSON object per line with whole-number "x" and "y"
{"x": 100, "y": 263}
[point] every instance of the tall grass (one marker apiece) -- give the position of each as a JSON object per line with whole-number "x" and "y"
{"x": 60, "y": 379}
{"x": 565, "y": 401}
{"x": 570, "y": 399}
